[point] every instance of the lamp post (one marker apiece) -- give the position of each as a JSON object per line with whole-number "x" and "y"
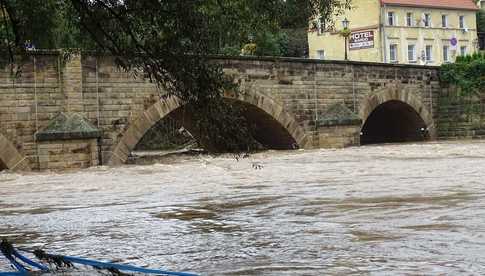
{"x": 345, "y": 33}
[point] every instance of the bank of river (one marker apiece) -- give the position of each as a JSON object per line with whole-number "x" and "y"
{"x": 414, "y": 209}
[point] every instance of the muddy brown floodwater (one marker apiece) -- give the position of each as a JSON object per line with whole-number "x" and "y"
{"x": 413, "y": 209}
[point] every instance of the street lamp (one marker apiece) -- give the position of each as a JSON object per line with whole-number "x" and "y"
{"x": 345, "y": 23}
{"x": 345, "y": 34}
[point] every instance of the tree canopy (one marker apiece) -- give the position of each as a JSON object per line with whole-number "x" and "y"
{"x": 168, "y": 40}
{"x": 217, "y": 23}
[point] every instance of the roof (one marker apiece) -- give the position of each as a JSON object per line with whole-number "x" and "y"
{"x": 338, "y": 114}
{"x": 440, "y": 4}
{"x": 66, "y": 126}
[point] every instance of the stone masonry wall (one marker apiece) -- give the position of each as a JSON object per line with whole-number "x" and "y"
{"x": 460, "y": 117}
{"x": 306, "y": 88}
{"x": 68, "y": 154}
{"x": 338, "y": 136}
{"x": 30, "y": 101}
{"x": 112, "y": 99}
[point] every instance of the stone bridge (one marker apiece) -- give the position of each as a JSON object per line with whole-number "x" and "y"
{"x": 85, "y": 111}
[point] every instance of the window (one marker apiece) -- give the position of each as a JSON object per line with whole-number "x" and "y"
{"x": 391, "y": 19}
{"x": 444, "y": 21}
{"x": 409, "y": 19}
{"x": 427, "y": 20}
{"x": 446, "y": 53}
{"x": 429, "y": 53}
{"x": 322, "y": 26}
{"x": 393, "y": 52}
{"x": 321, "y": 54}
{"x": 411, "y": 53}
{"x": 462, "y": 22}
{"x": 463, "y": 50}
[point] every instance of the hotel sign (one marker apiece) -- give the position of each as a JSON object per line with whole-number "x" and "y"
{"x": 361, "y": 40}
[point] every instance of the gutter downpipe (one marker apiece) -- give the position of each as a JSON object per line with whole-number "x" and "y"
{"x": 383, "y": 33}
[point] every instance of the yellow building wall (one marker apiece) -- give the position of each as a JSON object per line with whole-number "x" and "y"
{"x": 363, "y": 16}
{"x": 368, "y": 14}
{"x": 436, "y": 35}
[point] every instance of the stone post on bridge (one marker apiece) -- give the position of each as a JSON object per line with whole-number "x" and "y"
{"x": 72, "y": 85}
{"x": 69, "y": 140}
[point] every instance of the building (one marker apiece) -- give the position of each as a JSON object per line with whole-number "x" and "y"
{"x": 423, "y": 32}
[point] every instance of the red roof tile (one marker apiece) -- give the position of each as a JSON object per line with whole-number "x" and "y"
{"x": 443, "y": 4}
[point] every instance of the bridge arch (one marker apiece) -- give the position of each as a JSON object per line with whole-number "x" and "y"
{"x": 163, "y": 108}
{"x": 394, "y": 115}
{"x": 10, "y": 157}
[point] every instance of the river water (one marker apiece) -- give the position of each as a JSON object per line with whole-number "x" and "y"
{"x": 413, "y": 209}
